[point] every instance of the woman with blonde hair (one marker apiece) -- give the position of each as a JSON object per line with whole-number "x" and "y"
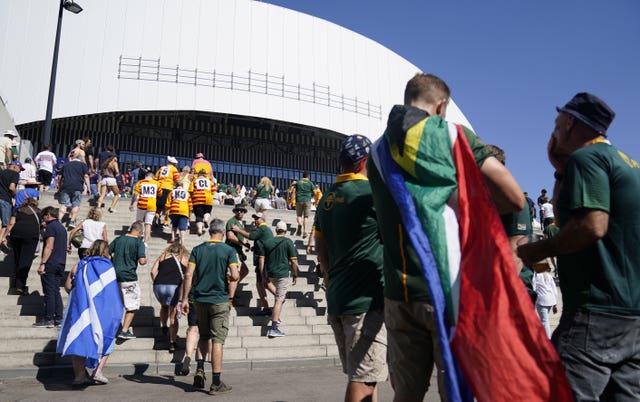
{"x": 167, "y": 274}
{"x": 185, "y": 177}
{"x": 263, "y": 195}
{"x": 93, "y": 228}
{"x": 104, "y": 308}
{"x": 108, "y": 183}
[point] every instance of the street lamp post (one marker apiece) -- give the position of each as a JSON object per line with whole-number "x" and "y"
{"x": 75, "y": 8}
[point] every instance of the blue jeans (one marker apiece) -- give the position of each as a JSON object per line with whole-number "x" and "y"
{"x": 601, "y": 355}
{"x": 51, "y": 282}
{"x": 543, "y": 312}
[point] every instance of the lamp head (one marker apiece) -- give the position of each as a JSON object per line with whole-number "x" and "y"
{"x": 72, "y": 6}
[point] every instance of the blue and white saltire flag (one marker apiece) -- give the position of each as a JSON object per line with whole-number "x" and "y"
{"x": 94, "y": 311}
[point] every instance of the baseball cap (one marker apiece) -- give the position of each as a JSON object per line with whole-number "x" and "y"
{"x": 79, "y": 142}
{"x": 282, "y": 225}
{"x": 354, "y": 148}
{"x": 9, "y": 132}
{"x": 171, "y": 159}
{"x": 16, "y": 163}
{"x": 258, "y": 215}
{"x": 199, "y": 155}
{"x": 590, "y": 110}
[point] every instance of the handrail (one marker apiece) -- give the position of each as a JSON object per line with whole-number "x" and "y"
{"x": 147, "y": 69}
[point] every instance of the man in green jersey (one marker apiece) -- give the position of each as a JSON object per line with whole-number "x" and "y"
{"x": 259, "y": 235}
{"x": 213, "y": 264}
{"x": 409, "y": 315}
{"x": 237, "y": 241}
{"x": 517, "y": 226}
{"x": 304, "y": 194}
{"x": 127, "y": 251}
{"x": 350, "y": 252}
{"x": 278, "y": 253}
{"x": 596, "y": 193}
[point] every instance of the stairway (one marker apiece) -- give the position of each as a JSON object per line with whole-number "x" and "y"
{"x": 309, "y": 339}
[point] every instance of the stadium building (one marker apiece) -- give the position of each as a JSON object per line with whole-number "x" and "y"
{"x": 259, "y": 89}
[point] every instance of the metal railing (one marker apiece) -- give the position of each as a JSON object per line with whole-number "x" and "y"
{"x": 145, "y": 69}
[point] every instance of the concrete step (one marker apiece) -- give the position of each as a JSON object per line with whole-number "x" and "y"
{"x": 303, "y": 315}
{"x": 279, "y": 350}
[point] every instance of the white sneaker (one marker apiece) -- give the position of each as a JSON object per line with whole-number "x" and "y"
{"x": 275, "y": 333}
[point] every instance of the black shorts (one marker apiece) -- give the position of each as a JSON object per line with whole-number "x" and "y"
{"x": 162, "y": 200}
{"x": 44, "y": 177}
{"x": 200, "y": 211}
{"x": 192, "y": 317}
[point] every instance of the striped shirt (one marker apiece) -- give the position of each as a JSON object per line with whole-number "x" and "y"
{"x": 167, "y": 175}
{"x": 179, "y": 202}
{"x": 147, "y": 191}
{"x": 202, "y": 190}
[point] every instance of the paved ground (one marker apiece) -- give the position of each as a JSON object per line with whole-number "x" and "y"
{"x": 298, "y": 384}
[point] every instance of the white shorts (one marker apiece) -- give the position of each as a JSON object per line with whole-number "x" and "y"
{"x": 109, "y": 182}
{"x": 145, "y": 216}
{"x": 130, "y": 295}
{"x": 262, "y": 204}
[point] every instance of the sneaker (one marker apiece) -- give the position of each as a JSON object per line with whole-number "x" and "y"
{"x": 219, "y": 389}
{"x": 112, "y": 210}
{"x": 44, "y": 324}
{"x": 275, "y": 333}
{"x": 99, "y": 378}
{"x": 186, "y": 366}
{"x": 171, "y": 241}
{"x": 126, "y": 335}
{"x": 299, "y": 231}
{"x": 199, "y": 379}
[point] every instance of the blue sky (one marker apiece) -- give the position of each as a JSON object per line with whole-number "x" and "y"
{"x": 509, "y": 63}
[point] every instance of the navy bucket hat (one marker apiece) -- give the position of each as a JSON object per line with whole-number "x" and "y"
{"x": 590, "y": 110}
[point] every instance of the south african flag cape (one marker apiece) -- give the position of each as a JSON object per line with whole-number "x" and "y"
{"x": 491, "y": 339}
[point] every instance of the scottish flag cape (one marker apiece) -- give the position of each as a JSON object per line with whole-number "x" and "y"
{"x": 94, "y": 311}
{"x": 493, "y": 345}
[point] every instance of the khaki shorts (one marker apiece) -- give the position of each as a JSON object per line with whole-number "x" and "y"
{"x": 213, "y": 321}
{"x": 145, "y": 216}
{"x": 130, "y": 295}
{"x": 282, "y": 285}
{"x": 413, "y": 348}
{"x": 303, "y": 209}
{"x": 362, "y": 344}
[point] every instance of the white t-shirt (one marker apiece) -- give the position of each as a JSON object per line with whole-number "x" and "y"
{"x": 5, "y": 143}
{"x": 545, "y": 288}
{"x": 547, "y": 210}
{"x": 46, "y": 160}
{"x": 92, "y": 232}
{"x": 29, "y": 172}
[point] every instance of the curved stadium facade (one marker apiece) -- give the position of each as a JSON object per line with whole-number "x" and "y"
{"x": 259, "y": 89}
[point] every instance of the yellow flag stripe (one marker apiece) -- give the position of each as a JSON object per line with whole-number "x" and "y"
{"x": 407, "y": 160}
